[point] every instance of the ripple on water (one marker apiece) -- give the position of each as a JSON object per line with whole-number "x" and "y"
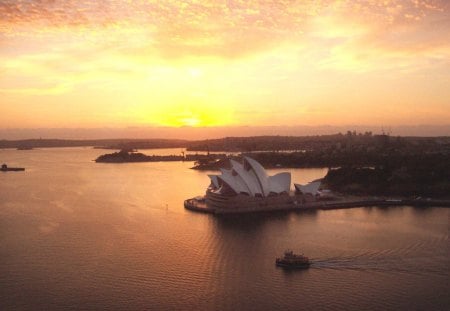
{"x": 117, "y": 247}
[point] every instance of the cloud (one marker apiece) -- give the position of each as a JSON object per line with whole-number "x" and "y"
{"x": 52, "y": 46}
{"x": 206, "y": 28}
{"x": 179, "y": 28}
{"x": 382, "y": 35}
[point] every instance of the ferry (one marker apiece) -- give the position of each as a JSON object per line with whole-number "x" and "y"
{"x": 291, "y": 260}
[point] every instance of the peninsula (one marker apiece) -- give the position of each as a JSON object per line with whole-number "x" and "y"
{"x": 245, "y": 187}
{"x": 131, "y": 155}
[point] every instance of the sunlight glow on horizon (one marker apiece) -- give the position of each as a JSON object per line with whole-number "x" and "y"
{"x": 185, "y": 63}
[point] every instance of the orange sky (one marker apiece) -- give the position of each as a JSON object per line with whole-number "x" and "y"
{"x": 117, "y": 63}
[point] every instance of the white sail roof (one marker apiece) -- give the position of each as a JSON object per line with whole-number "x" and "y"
{"x": 214, "y": 180}
{"x": 280, "y": 182}
{"x": 251, "y": 178}
{"x": 260, "y": 174}
{"x": 234, "y": 181}
{"x": 311, "y": 187}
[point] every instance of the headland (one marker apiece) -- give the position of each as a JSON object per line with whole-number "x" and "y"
{"x": 131, "y": 155}
{"x": 245, "y": 187}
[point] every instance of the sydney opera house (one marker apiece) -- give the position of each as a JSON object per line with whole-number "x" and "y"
{"x": 246, "y": 187}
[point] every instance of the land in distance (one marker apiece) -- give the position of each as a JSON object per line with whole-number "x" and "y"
{"x": 350, "y": 140}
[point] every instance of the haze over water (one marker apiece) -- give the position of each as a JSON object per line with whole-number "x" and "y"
{"x": 75, "y": 234}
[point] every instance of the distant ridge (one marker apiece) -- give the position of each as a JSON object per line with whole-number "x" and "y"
{"x": 350, "y": 139}
{"x": 100, "y": 143}
{"x": 198, "y": 133}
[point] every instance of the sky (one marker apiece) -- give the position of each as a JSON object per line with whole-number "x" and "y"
{"x": 117, "y": 64}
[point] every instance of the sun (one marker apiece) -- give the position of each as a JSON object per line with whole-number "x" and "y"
{"x": 195, "y": 72}
{"x": 179, "y": 111}
{"x": 190, "y": 121}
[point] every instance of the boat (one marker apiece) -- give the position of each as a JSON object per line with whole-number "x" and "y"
{"x": 5, "y": 168}
{"x": 291, "y": 260}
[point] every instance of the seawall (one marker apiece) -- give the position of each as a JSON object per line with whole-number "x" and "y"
{"x": 201, "y": 206}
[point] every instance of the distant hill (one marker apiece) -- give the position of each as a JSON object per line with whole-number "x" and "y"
{"x": 337, "y": 143}
{"x": 100, "y": 143}
{"x": 212, "y": 132}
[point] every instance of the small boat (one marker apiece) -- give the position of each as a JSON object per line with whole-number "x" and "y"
{"x": 5, "y": 168}
{"x": 291, "y": 260}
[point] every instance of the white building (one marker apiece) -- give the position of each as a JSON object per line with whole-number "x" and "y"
{"x": 250, "y": 179}
{"x": 248, "y": 186}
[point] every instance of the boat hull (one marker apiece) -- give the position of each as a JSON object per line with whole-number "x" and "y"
{"x": 292, "y": 265}
{"x": 12, "y": 169}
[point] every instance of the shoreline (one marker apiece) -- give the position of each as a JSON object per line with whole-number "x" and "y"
{"x": 195, "y": 205}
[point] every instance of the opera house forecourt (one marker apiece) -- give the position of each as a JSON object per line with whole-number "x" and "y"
{"x": 246, "y": 187}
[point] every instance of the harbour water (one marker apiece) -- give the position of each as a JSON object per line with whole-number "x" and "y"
{"x": 75, "y": 234}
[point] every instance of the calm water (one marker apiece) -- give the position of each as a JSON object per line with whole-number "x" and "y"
{"x": 79, "y": 235}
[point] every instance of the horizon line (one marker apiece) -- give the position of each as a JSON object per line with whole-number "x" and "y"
{"x": 215, "y": 132}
